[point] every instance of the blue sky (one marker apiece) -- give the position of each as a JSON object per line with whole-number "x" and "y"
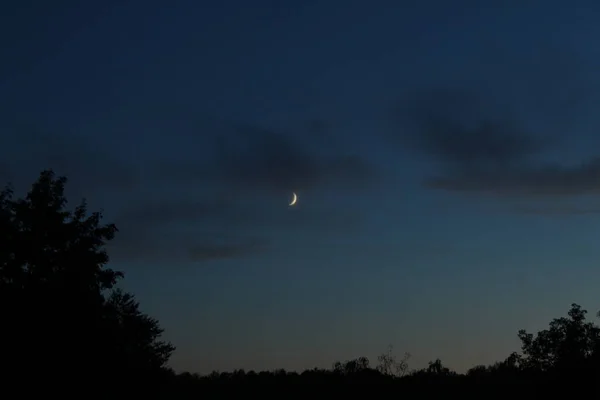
{"x": 444, "y": 154}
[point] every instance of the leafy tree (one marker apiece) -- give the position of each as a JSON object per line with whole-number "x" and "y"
{"x": 137, "y": 335}
{"x": 388, "y": 365}
{"x": 438, "y": 369}
{"x": 568, "y": 344}
{"x": 478, "y": 371}
{"x": 509, "y": 369}
{"x": 351, "y": 367}
{"x": 61, "y": 318}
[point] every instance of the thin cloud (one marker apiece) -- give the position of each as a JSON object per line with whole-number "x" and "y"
{"x": 490, "y": 155}
{"x": 214, "y": 251}
{"x": 567, "y": 210}
{"x": 445, "y": 124}
{"x": 479, "y": 136}
{"x": 260, "y": 159}
{"x": 545, "y": 181}
{"x": 177, "y": 247}
{"x": 452, "y": 127}
{"x": 165, "y": 212}
{"x": 197, "y": 208}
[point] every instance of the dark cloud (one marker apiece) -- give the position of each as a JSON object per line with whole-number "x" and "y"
{"x": 159, "y": 213}
{"x": 260, "y": 159}
{"x": 458, "y": 130}
{"x": 444, "y": 131}
{"x": 173, "y": 247}
{"x": 477, "y": 148}
{"x": 215, "y": 251}
{"x": 551, "y": 180}
{"x": 566, "y": 210}
{"x": 501, "y": 127}
{"x": 180, "y": 230}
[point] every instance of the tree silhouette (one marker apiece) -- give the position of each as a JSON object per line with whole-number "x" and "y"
{"x": 136, "y": 336}
{"x": 63, "y": 323}
{"x": 388, "y": 365}
{"x": 436, "y": 368}
{"x": 569, "y": 344}
{"x": 574, "y": 342}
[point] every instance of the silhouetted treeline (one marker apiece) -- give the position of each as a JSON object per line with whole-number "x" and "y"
{"x": 66, "y": 330}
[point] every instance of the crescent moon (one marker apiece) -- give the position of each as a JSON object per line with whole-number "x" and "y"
{"x": 294, "y": 199}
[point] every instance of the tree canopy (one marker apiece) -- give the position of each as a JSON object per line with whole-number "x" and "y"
{"x": 63, "y": 319}
{"x": 568, "y": 345}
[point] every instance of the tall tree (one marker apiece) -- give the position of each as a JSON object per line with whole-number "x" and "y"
{"x": 62, "y": 319}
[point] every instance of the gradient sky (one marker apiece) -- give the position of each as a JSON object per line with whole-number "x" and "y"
{"x": 445, "y": 155}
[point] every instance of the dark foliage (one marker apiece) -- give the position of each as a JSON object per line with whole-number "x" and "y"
{"x": 68, "y": 331}
{"x": 65, "y": 329}
{"x": 566, "y": 354}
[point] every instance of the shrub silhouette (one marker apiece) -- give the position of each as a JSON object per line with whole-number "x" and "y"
{"x": 64, "y": 325}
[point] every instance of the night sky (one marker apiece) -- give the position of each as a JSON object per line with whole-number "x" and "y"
{"x": 445, "y": 154}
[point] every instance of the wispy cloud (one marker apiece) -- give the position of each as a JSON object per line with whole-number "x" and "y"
{"x": 544, "y": 181}
{"x": 258, "y": 159}
{"x": 478, "y": 149}
{"x": 501, "y": 133}
{"x": 208, "y": 207}
{"x": 565, "y": 210}
{"x": 213, "y": 251}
